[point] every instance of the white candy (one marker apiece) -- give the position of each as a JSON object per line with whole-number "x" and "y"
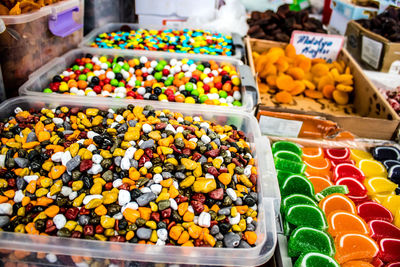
{"x": 232, "y": 194}
{"x": 145, "y": 190}
{"x": 97, "y": 158}
{"x": 157, "y": 178}
{"x": 194, "y": 139}
{"x": 73, "y": 195}
{"x": 237, "y": 95}
{"x": 66, "y": 191}
{"x": 162, "y": 234}
{"x": 173, "y": 204}
{"x": 29, "y": 178}
{"x": 234, "y": 220}
{"x": 51, "y": 258}
{"x": 56, "y": 157}
{"x": 105, "y": 93}
{"x": 153, "y": 63}
{"x": 124, "y": 197}
{"x": 190, "y": 209}
{"x": 170, "y": 128}
{"x": 146, "y": 128}
{"x": 119, "y": 118}
{"x": 110, "y": 75}
{"x": 141, "y": 90}
{"x": 19, "y": 195}
{"x": 188, "y": 74}
{"x": 130, "y": 152}
{"x": 143, "y": 59}
{"x": 81, "y": 264}
{"x": 180, "y": 129}
{"x": 185, "y": 67}
{"x": 58, "y": 121}
{"x": 173, "y": 62}
{"x": 96, "y": 168}
{"x": 50, "y": 196}
{"x": 209, "y": 176}
{"x": 249, "y": 220}
{"x": 2, "y": 161}
{"x": 156, "y": 188}
{"x": 125, "y": 163}
{"x": 130, "y": 205}
{"x": 88, "y": 198}
{"x": 91, "y": 134}
{"x": 148, "y": 165}
{"x": 247, "y": 170}
{"x": 59, "y": 221}
{"x": 205, "y": 219}
{"x": 65, "y": 158}
{"x": 205, "y": 139}
{"x": 160, "y": 243}
{"x": 91, "y": 148}
{"x": 6, "y": 208}
{"x": 118, "y": 216}
{"x": 229, "y": 99}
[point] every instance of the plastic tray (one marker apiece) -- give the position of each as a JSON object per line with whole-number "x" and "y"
{"x": 269, "y": 199}
{"x": 89, "y": 39}
{"x": 33, "y": 39}
{"x": 41, "y": 78}
{"x": 101, "y": 12}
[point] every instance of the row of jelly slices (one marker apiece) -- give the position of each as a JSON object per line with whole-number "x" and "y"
{"x": 317, "y": 164}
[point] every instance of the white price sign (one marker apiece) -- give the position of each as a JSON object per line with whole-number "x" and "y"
{"x": 317, "y": 45}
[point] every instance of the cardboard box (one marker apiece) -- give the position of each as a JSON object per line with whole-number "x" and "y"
{"x": 367, "y": 101}
{"x": 371, "y": 50}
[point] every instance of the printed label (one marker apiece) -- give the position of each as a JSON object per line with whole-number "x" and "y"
{"x": 317, "y": 45}
{"x": 395, "y": 67}
{"x": 279, "y": 127}
{"x": 371, "y": 51}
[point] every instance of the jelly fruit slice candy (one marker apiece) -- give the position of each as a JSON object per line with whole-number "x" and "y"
{"x": 396, "y": 220}
{"x": 353, "y": 246}
{"x": 295, "y": 199}
{"x": 393, "y": 264}
{"x": 312, "y": 152}
{"x": 283, "y": 175}
{"x": 390, "y": 248}
{"x": 382, "y": 153}
{"x": 318, "y": 167}
{"x": 378, "y": 185}
{"x": 341, "y": 222}
{"x": 374, "y": 211}
{"x": 297, "y": 184}
{"x": 288, "y": 228}
{"x": 357, "y": 264}
{"x": 289, "y": 155}
{"x": 381, "y": 197}
{"x": 337, "y": 153}
{"x": 347, "y": 170}
{"x": 390, "y": 163}
{"x": 357, "y": 190}
{"x": 288, "y": 165}
{"x": 372, "y": 168}
{"x": 306, "y": 215}
{"x": 357, "y": 155}
{"x": 394, "y": 174}
{"x": 336, "y": 202}
{"x": 306, "y": 239}
{"x": 383, "y": 229}
{"x": 319, "y": 183}
{"x": 314, "y": 259}
{"x": 337, "y": 162}
{"x": 340, "y": 189}
{"x": 392, "y": 203}
{"x": 286, "y": 145}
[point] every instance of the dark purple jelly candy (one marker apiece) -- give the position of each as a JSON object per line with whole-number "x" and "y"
{"x": 390, "y": 163}
{"x": 383, "y": 153}
{"x": 394, "y": 174}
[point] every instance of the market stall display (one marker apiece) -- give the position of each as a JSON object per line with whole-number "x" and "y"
{"x": 144, "y": 75}
{"x": 122, "y": 154}
{"x": 174, "y": 40}
{"x": 32, "y": 39}
{"x": 21, "y": 7}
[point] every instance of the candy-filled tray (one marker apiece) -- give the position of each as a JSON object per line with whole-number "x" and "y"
{"x": 118, "y": 178}
{"x": 156, "y": 38}
{"x": 340, "y": 202}
{"x": 164, "y": 77}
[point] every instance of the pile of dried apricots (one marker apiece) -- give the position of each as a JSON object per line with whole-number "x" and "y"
{"x": 287, "y": 74}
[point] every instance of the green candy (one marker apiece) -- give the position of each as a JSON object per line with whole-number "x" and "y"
{"x": 159, "y": 67}
{"x": 121, "y": 84}
{"x": 282, "y": 175}
{"x": 297, "y": 184}
{"x": 306, "y": 215}
{"x": 163, "y": 62}
{"x": 75, "y": 68}
{"x": 47, "y": 90}
{"x": 158, "y": 76}
{"x": 203, "y": 98}
{"x": 306, "y": 239}
{"x": 89, "y": 66}
{"x": 126, "y": 66}
{"x": 82, "y": 77}
{"x": 340, "y": 189}
{"x": 189, "y": 86}
{"x": 296, "y": 199}
{"x": 114, "y": 82}
{"x": 138, "y": 83}
{"x": 200, "y": 67}
{"x": 289, "y": 155}
{"x": 167, "y": 82}
{"x": 117, "y": 68}
{"x": 288, "y": 228}
{"x": 223, "y": 94}
{"x": 286, "y": 145}
{"x": 288, "y": 165}
{"x": 195, "y": 92}
{"x": 237, "y": 103}
{"x": 315, "y": 259}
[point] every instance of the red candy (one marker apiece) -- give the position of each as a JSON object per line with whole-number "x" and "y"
{"x": 383, "y": 229}
{"x": 390, "y": 250}
{"x": 374, "y": 211}
{"x": 348, "y": 170}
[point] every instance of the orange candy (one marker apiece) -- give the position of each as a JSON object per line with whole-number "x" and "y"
{"x": 318, "y": 167}
{"x": 353, "y": 246}
{"x": 335, "y": 202}
{"x": 341, "y": 222}
{"x": 357, "y": 264}
{"x": 312, "y": 152}
{"x": 319, "y": 183}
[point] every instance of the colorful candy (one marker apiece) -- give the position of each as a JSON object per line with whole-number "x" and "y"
{"x": 141, "y": 78}
{"x": 179, "y": 41}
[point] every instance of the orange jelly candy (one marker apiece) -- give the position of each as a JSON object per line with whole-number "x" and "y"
{"x": 319, "y": 183}
{"x": 336, "y": 202}
{"x": 353, "y": 246}
{"x": 318, "y": 167}
{"x": 341, "y": 222}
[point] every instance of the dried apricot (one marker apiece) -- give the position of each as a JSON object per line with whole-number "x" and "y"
{"x": 344, "y": 88}
{"x": 264, "y": 88}
{"x": 313, "y": 94}
{"x": 283, "y": 97}
{"x": 340, "y": 97}
{"x": 298, "y": 88}
{"x": 268, "y": 70}
{"x": 325, "y": 80}
{"x": 309, "y": 84}
{"x": 271, "y": 80}
{"x": 343, "y": 78}
{"x": 284, "y": 82}
{"x": 319, "y": 69}
{"x": 328, "y": 90}
{"x": 296, "y": 73}
{"x": 282, "y": 64}
{"x": 290, "y": 51}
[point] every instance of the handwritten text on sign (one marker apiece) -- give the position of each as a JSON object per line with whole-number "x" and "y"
{"x": 317, "y": 45}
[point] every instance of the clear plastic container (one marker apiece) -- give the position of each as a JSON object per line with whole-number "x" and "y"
{"x": 112, "y": 27}
{"x": 32, "y": 39}
{"x": 101, "y": 12}
{"x": 13, "y": 245}
{"x": 41, "y": 78}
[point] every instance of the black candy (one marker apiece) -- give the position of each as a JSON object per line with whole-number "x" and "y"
{"x": 383, "y": 153}
{"x": 394, "y": 174}
{"x": 390, "y": 163}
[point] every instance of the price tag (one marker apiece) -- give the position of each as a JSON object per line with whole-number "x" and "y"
{"x": 279, "y": 127}
{"x": 317, "y": 45}
{"x": 371, "y": 52}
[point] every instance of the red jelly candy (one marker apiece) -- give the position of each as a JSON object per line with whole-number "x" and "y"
{"x": 393, "y": 264}
{"x": 337, "y": 153}
{"x": 383, "y": 229}
{"x": 377, "y": 262}
{"x": 390, "y": 248}
{"x": 348, "y": 170}
{"x": 337, "y": 162}
{"x": 374, "y": 211}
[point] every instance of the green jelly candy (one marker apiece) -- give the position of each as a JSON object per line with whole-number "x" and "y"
{"x": 47, "y": 90}
{"x": 283, "y": 175}
{"x": 297, "y": 184}
{"x": 288, "y": 228}
{"x": 288, "y": 165}
{"x": 286, "y": 145}
{"x": 237, "y": 103}
{"x": 306, "y": 239}
{"x": 340, "y": 189}
{"x": 289, "y": 155}
{"x": 315, "y": 259}
{"x": 296, "y": 199}
{"x": 306, "y": 215}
